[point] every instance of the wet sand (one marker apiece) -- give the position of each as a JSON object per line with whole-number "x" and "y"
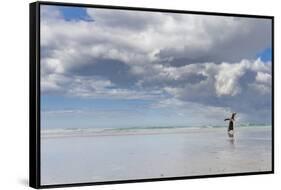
{"x": 123, "y": 155}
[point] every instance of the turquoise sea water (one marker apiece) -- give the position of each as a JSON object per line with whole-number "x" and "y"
{"x": 60, "y": 132}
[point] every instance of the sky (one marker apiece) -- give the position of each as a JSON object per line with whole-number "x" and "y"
{"x": 121, "y": 68}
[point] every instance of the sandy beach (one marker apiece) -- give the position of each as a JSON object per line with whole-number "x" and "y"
{"x": 76, "y": 156}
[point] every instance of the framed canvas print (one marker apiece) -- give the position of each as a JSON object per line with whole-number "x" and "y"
{"x": 123, "y": 94}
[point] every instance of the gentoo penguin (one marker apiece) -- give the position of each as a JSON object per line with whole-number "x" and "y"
{"x": 230, "y": 129}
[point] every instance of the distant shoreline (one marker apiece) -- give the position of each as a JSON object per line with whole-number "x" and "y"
{"x": 95, "y": 132}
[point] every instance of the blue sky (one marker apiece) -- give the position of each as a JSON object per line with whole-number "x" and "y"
{"x": 265, "y": 54}
{"x": 74, "y": 13}
{"x": 112, "y": 68}
{"x": 72, "y": 112}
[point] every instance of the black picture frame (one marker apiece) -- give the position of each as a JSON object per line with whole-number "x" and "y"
{"x": 34, "y": 93}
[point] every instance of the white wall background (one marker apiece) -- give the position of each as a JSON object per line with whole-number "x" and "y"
{"x": 14, "y": 95}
